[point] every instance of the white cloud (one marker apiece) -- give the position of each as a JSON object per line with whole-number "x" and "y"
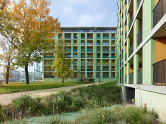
{"x": 91, "y": 19}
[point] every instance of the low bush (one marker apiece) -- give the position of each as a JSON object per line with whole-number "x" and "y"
{"x": 79, "y": 98}
{"x": 117, "y": 114}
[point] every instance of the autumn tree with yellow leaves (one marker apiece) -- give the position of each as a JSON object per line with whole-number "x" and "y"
{"x": 35, "y": 30}
{"x": 61, "y": 63}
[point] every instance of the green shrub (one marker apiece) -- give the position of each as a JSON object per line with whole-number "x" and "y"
{"x": 117, "y": 114}
{"x": 78, "y": 102}
{"x": 24, "y": 104}
{"x": 1, "y": 113}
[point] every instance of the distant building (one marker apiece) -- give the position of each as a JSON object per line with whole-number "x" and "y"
{"x": 92, "y": 50}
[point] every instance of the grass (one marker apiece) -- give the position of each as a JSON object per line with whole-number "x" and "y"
{"x": 13, "y": 87}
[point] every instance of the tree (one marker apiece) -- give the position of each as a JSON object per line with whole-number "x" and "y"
{"x": 61, "y": 64}
{"x": 35, "y": 30}
{"x": 8, "y": 33}
{"x": 7, "y": 57}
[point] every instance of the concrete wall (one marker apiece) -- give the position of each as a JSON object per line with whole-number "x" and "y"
{"x": 152, "y": 100}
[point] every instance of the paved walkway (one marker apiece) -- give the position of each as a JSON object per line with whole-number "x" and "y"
{"x": 6, "y": 99}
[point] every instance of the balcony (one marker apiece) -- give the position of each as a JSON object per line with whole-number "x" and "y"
{"x": 159, "y": 11}
{"x": 74, "y": 37}
{"x": 82, "y": 43}
{"x": 105, "y": 76}
{"x": 67, "y": 37}
{"x": 159, "y": 73}
{"x": 74, "y": 63}
{"x": 98, "y": 50}
{"x": 105, "y": 43}
{"x": 74, "y": 56}
{"x": 89, "y": 37}
{"x": 131, "y": 78}
{"x": 89, "y": 43}
{"x": 89, "y": 50}
{"x": 105, "y": 37}
{"x": 75, "y": 50}
{"x": 105, "y": 56}
{"x": 68, "y": 50}
{"x": 139, "y": 78}
{"x": 112, "y": 50}
{"x": 82, "y": 37}
{"x": 131, "y": 20}
{"x": 82, "y": 50}
{"x": 98, "y": 37}
{"x": 131, "y": 50}
{"x": 82, "y": 69}
{"x": 105, "y": 69}
{"x": 89, "y": 69}
{"x": 105, "y": 50}
{"x": 112, "y": 56}
{"x": 139, "y": 38}
{"x": 49, "y": 57}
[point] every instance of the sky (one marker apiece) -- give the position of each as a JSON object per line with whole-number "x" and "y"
{"x": 83, "y": 13}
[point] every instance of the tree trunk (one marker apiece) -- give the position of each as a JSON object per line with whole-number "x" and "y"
{"x": 7, "y": 73}
{"x": 26, "y": 74}
{"x": 63, "y": 80}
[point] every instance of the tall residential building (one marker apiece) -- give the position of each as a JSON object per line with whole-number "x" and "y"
{"x": 92, "y": 50}
{"x": 141, "y": 57}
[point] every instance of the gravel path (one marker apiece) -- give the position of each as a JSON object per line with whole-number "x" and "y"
{"x": 6, "y": 99}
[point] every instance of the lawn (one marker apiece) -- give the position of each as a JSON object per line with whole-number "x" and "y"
{"x": 13, "y": 87}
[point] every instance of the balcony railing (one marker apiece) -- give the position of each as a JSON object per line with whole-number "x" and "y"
{"x": 82, "y": 69}
{"x": 130, "y": 78}
{"x": 98, "y": 50}
{"x": 131, "y": 20}
{"x": 105, "y": 37}
{"x": 89, "y": 69}
{"x": 67, "y": 37}
{"x": 82, "y": 43}
{"x": 82, "y": 37}
{"x": 131, "y": 50}
{"x": 105, "y": 50}
{"x": 89, "y": 50}
{"x": 139, "y": 38}
{"x": 112, "y": 50}
{"x": 89, "y": 43}
{"x": 98, "y": 37}
{"x": 75, "y": 50}
{"x": 89, "y": 37}
{"x": 105, "y": 56}
{"x": 159, "y": 11}
{"x": 75, "y": 37}
{"x": 105, "y": 43}
{"x": 139, "y": 78}
{"x": 82, "y": 50}
{"x": 105, "y": 76}
{"x": 159, "y": 73}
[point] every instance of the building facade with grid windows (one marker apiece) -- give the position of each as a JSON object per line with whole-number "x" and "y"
{"x": 92, "y": 50}
{"x": 141, "y": 52}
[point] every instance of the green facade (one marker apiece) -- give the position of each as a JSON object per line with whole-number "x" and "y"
{"x": 93, "y": 54}
{"x": 141, "y": 54}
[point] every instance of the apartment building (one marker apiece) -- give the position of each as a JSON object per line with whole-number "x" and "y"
{"x": 141, "y": 52}
{"x": 92, "y": 50}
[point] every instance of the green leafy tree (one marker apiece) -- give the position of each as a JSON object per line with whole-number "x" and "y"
{"x": 35, "y": 30}
{"x": 61, "y": 64}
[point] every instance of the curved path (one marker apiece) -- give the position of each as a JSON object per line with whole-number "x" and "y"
{"x": 6, "y": 99}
